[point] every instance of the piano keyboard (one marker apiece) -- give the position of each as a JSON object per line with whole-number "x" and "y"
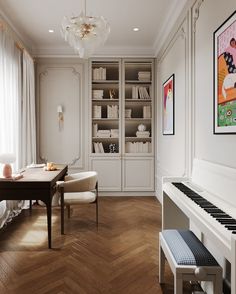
{"x": 223, "y": 218}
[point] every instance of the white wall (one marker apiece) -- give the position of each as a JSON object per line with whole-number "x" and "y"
{"x": 172, "y": 151}
{"x": 191, "y": 59}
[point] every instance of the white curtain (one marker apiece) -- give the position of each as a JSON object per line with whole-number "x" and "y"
{"x": 28, "y": 116}
{"x": 10, "y": 95}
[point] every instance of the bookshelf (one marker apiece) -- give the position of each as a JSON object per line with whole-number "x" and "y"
{"x": 138, "y": 97}
{"x": 122, "y": 150}
{"x": 105, "y": 94}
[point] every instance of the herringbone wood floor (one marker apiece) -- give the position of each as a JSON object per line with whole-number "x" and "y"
{"x": 121, "y": 257}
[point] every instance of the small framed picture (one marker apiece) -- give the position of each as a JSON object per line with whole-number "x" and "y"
{"x": 168, "y": 106}
{"x": 225, "y": 77}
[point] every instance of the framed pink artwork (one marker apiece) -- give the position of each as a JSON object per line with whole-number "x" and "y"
{"x": 168, "y": 106}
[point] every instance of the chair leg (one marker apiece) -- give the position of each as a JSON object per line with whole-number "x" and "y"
{"x": 97, "y": 212}
{"x": 62, "y": 212}
{"x": 68, "y": 211}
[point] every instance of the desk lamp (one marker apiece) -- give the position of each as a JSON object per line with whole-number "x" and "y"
{"x": 7, "y": 159}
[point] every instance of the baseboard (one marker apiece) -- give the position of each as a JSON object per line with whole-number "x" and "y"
{"x": 121, "y": 194}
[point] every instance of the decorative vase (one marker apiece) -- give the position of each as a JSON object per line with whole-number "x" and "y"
{"x": 141, "y": 128}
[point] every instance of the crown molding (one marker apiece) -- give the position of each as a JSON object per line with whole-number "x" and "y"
{"x": 27, "y": 43}
{"x": 167, "y": 26}
{"x": 106, "y": 51}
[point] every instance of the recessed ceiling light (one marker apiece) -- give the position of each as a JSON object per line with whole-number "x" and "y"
{"x": 135, "y": 29}
{"x": 51, "y": 31}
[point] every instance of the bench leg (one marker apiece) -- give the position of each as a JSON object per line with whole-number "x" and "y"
{"x": 161, "y": 265}
{"x": 218, "y": 284}
{"x": 178, "y": 285}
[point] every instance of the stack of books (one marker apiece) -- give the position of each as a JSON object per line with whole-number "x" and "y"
{"x": 147, "y": 111}
{"x": 104, "y": 133}
{"x": 138, "y": 147}
{"x": 98, "y": 147}
{"x": 98, "y": 94}
{"x": 114, "y": 133}
{"x": 97, "y": 111}
{"x": 143, "y": 134}
{"x": 140, "y": 93}
{"x": 144, "y": 76}
{"x": 112, "y": 111}
{"x": 99, "y": 73}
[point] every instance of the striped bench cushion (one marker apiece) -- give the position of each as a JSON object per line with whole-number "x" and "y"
{"x": 187, "y": 249}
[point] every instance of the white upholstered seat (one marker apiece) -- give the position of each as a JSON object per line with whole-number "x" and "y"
{"x": 79, "y": 188}
{"x": 81, "y": 197}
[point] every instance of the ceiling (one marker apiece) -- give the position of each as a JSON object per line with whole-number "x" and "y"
{"x": 32, "y": 19}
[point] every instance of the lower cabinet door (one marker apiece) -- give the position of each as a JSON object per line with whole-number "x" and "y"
{"x": 138, "y": 174}
{"x": 109, "y": 173}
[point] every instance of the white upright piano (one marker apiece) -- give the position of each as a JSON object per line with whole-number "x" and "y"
{"x": 208, "y": 199}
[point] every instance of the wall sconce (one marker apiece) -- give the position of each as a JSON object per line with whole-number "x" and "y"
{"x": 7, "y": 159}
{"x": 60, "y": 116}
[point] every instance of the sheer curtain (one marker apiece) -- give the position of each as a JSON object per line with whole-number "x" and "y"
{"x": 10, "y": 95}
{"x": 28, "y": 116}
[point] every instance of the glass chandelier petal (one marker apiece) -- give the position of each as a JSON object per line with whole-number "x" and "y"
{"x": 85, "y": 33}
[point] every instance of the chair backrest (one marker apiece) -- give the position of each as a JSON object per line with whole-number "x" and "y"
{"x": 80, "y": 182}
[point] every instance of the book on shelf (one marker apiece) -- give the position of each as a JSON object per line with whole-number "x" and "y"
{"x": 142, "y": 134}
{"x": 95, "y": 130}
{"x": 114, "y": 133}
{"x": 97, "y": 94}
{"x": 99, "y": 73}
{"x": 140, "y": 92}
{"x": 112, "y": 111}
{"x": 138, "y": 147}
{"x": 128, "y": 112}
{"x": 98, "y": 147}
{"x": 144, "y": 76}
{"x": 97, "y": 111}
{"x": 104, "y": 133}
{"x": 146, "y": 111}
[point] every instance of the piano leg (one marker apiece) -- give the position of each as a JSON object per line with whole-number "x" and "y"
{"x": 172, "y": 216}
{"x": 233, "y": 265}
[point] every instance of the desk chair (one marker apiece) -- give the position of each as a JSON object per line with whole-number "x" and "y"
{"x": 79, "y": 188}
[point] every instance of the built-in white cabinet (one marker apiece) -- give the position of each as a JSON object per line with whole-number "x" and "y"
{"x": 121, "y": 120}
{"x": 138, "y": 174}
{"x": 109, "y": 172}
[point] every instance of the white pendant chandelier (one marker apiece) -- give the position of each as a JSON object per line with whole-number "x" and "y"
{"x": 85, "y": 33}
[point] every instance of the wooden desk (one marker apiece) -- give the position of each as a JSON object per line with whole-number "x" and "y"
{"x": 37, "y": 184}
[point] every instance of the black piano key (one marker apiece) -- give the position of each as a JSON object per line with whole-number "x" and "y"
{"x": 208, "y": 206}
{"x": 217, "y": 215}
{"x": 232, "y": 228}
{"x": 227, "y": 221}
{"x": 234, "y": 232}
{"x": 214, "y": 210}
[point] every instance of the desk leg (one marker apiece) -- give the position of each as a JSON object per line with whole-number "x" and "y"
{"x": 30, "y": 207}
{"x": 49, "y": 220}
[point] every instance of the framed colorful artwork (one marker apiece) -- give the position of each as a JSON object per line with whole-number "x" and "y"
{"x": 225, "y": 77}
{"x": 168, "y": 106}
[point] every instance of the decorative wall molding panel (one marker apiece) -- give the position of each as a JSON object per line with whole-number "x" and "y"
{"x": 61, "y": 135}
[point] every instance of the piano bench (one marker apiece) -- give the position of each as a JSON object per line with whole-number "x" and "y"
{"x": 189, "y": 260}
